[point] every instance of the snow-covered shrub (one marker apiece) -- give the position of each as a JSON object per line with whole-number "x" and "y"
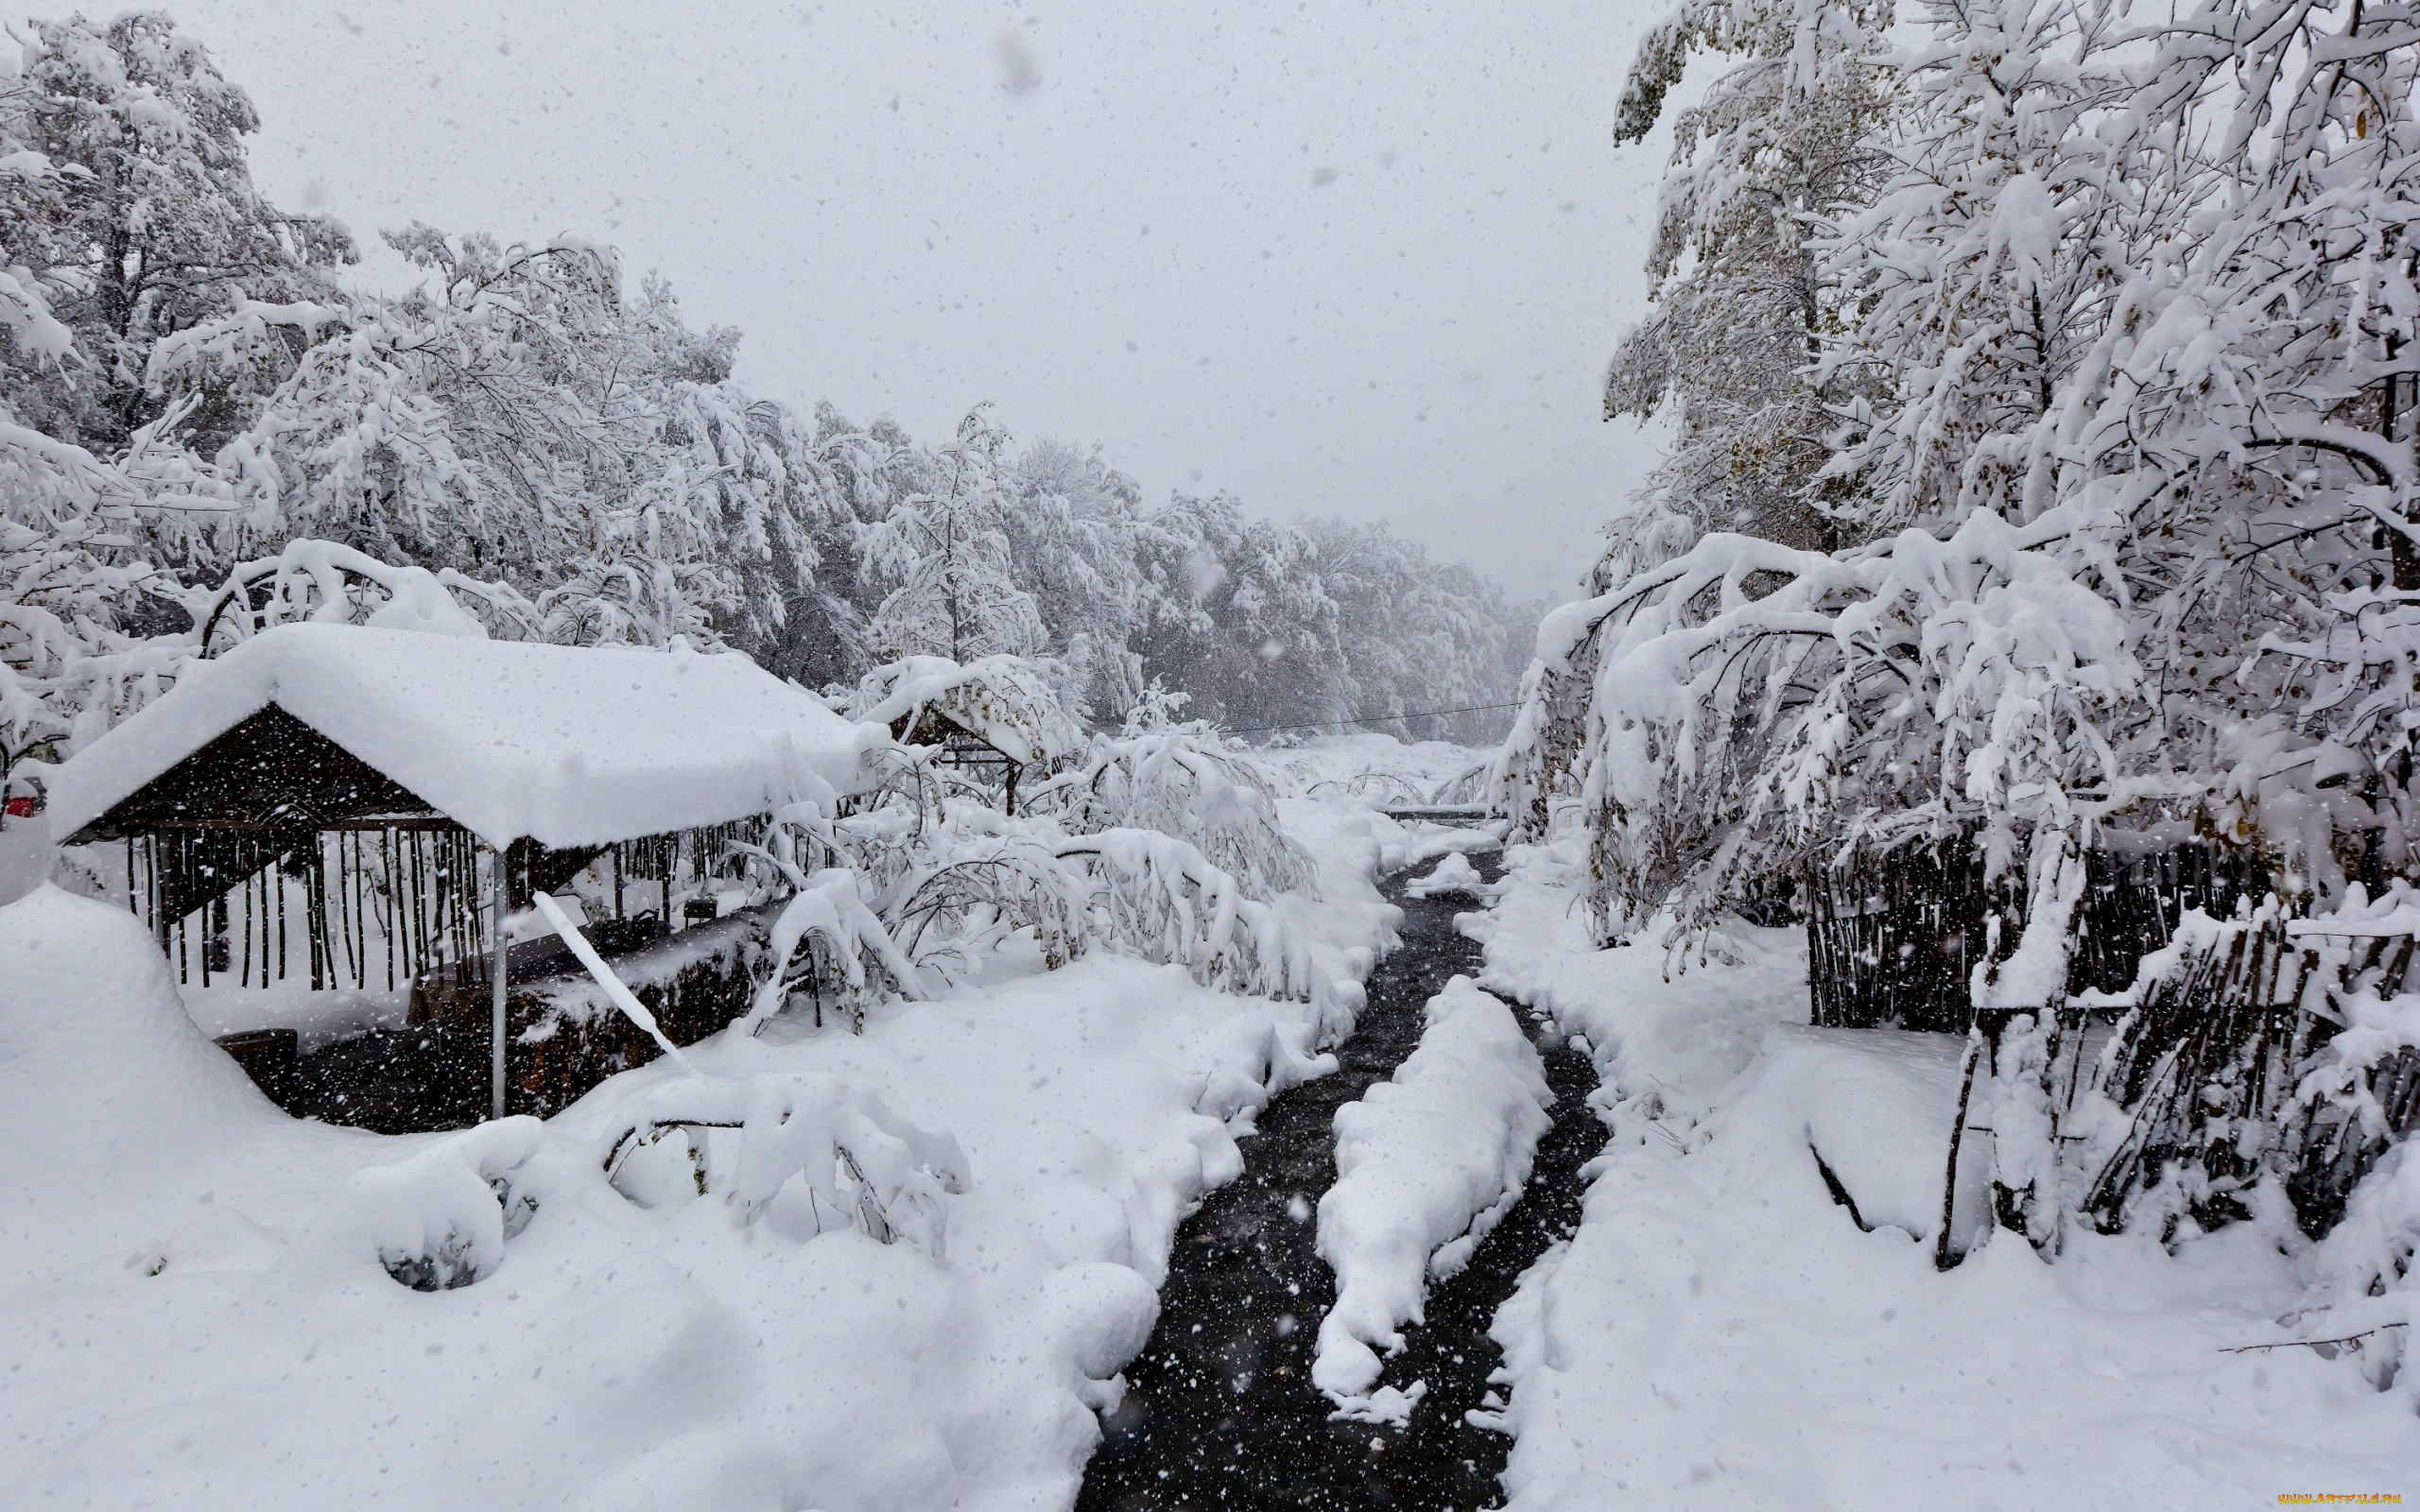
{"x": 957, "y": 902}
{"x": 1723, "y": 735}
{"x": 1156, "y": 896}
{"x": 826, "y": 943}
{"x": 922, "y": 875}
{"x": 1183, "y": 781}
{"x": 2365, "y": 1295}
{"x": 812, "y": 1153}
{"x": 440, "y": 1218}
{"x": 1472, "y": 785}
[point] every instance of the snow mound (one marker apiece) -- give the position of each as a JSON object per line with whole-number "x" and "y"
{"x": 1425, "y": 1163}
{"x": 108, "y": 1094}
{"x": 94, "y": 1037}
{"x": 1452, "y": 877}
{"x": 1875, "y": 1108}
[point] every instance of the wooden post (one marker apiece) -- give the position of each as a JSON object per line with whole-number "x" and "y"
{"x": 503, "y": 968}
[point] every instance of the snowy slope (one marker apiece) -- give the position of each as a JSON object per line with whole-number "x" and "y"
{"x": 1425, "y": 1165}
{"x": 1720, "y": 1333}
{"x": 193, "y": 1304}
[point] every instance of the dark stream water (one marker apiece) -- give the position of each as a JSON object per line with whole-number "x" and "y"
{"x": 1220, "y": 1410}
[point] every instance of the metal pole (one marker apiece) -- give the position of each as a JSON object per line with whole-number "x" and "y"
{"x": 503, "y": 968}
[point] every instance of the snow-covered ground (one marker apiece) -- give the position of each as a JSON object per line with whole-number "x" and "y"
{"x": 1426, "y": 1163}
{"x": 1721, "y": 1333}
{"x": 195, "y": 1311}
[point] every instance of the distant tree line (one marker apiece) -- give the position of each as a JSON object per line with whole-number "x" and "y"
{"x": 186, "y": 383}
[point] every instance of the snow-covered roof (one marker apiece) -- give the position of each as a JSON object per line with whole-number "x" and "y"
{"x": 1001, "y": 700}
{"x": 566, "y": 744}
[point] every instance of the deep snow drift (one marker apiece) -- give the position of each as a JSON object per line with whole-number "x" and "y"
{"x": 1721, "y": 1333}
{"x": 199, "y": 1298}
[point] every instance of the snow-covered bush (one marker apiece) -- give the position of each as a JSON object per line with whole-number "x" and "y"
{"x": 1183, "y": 781}
{"x": 853, "y": 952}
{"x": 959, "y": 902}
{"x": 2365, "y": 1295}
{"x": 812, "y": 1153}
{"x": 922, "y": 875}
{"x": 439, "y": 1218}
{"x": 1156, "y": 896}
{"x": 1721, "y": 737}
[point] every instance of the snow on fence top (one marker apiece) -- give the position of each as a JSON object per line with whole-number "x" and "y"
{"x": 568, "y": 745}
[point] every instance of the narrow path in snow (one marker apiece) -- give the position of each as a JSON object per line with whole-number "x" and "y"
{"x": 1220, "y": 1410}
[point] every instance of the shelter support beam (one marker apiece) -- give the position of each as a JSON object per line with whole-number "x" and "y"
{"x": 502, "y": 973}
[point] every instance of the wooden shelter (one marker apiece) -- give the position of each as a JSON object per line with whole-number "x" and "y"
{"x": 995, "y": 717}
{"x": 357, "y": 807}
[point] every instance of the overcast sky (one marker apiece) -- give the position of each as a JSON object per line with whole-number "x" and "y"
{"x": 1349, "y": 259}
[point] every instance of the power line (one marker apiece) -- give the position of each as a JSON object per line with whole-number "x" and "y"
{"x": 1374, "y": 719}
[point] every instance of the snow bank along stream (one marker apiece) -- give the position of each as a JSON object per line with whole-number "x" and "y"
{"x": 1222, "y": 1409}
{"x": 1749, "y": 1316}
{"x": 1426, "y": 1165}
{"x": 198, "y": 1296}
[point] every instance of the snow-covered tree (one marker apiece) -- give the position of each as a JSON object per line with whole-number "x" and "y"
{"x": 68, "y": 583}
{"x": 523, "y": 418}
{"x": 1781, "y": 144}
{"x": 1235, "y": 614}
{"x": 2129, "y": 307}
{"x": 149, "y": 222}
{"x": 1984, "y": 272}
{"x": 945, "y": 552}
{"x": 514, "y": 416}
{"x": 1416, "y": 636}
{"x": 1072, "y": 539}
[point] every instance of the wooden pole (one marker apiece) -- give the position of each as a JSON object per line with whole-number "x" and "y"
{"x": 1957, "y": 1134}
{"x": 495, "y": 1032}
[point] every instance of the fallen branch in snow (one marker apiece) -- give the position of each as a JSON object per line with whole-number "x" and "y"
{"x": 2311, "y": 1343}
